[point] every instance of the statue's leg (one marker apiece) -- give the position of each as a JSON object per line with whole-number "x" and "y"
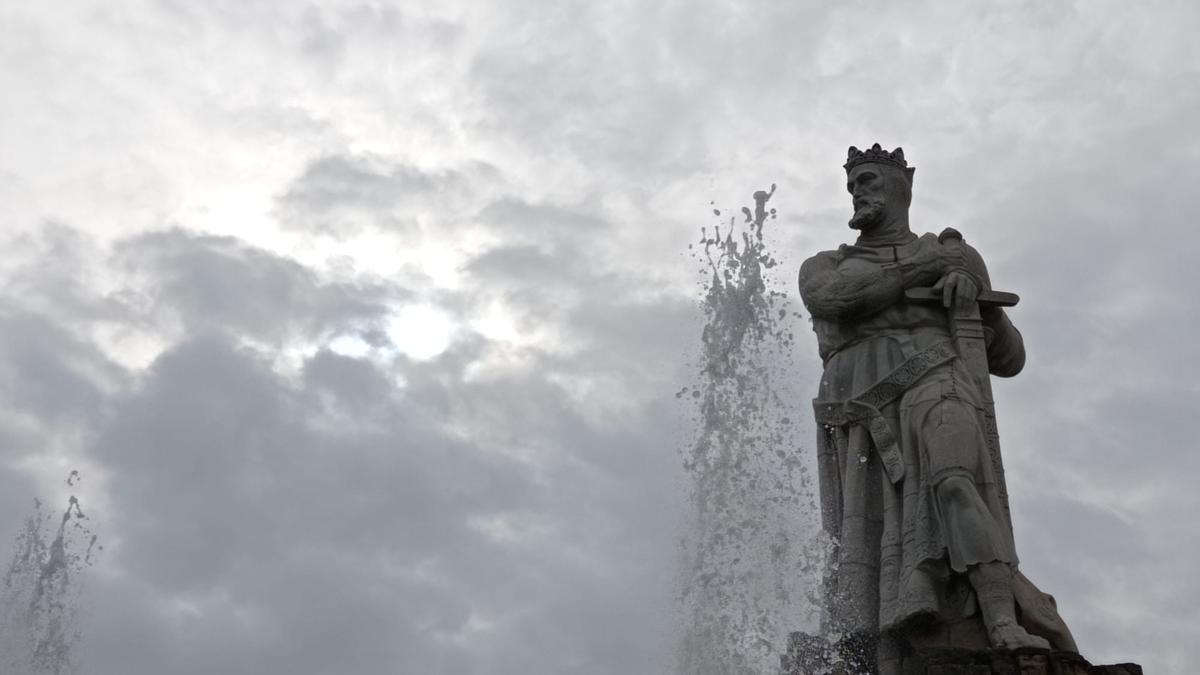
{"x": 955, "y": 456}
{"x": 975, "y": 536}
{"x": 972, "y": 533}
{"x": 993, "y": 584}
{"x": 971, "y": 527}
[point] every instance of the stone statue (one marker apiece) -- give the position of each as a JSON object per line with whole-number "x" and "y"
{"x": 912, "y": 486}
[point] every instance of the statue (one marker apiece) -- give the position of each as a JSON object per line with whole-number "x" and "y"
{"x": 912, "y": 483}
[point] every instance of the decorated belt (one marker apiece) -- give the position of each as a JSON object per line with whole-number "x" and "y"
{"x": 864, "y": 408}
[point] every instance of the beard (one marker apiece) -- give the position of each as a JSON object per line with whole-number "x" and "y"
{"x": 870, "y": 214}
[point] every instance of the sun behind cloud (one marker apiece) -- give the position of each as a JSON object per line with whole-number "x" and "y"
{"x": 421, "y": 331}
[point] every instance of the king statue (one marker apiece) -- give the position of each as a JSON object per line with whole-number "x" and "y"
{"x": 912, "y": 486}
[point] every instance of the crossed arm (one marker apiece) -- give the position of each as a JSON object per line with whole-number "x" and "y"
{"x": 841, "y": 294}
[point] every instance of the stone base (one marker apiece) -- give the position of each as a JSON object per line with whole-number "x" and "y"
{"x": 1019, "y": 662}
{"x": 810, "y": 655}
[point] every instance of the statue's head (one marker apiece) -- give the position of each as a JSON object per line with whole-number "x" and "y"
{"x": 880, "y": 183}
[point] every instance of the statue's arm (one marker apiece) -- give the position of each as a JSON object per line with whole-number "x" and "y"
{"x": 1005, "y": 346}
{"x": 836, "y": 294}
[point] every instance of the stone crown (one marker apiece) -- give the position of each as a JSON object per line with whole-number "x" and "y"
{"x": 877, "y": 155}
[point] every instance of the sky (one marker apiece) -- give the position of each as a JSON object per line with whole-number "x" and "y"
{"x": 362, "y": 321}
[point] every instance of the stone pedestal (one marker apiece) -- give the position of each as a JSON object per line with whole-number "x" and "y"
{"x": 810, "y": 655}
{"x": 1020, "y": 662}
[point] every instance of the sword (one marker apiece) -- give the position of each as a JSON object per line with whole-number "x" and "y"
{"x": 966, "y": 328}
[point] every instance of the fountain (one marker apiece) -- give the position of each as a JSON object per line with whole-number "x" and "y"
{"x": 752, "y": 550}
{"x": 898, "y": 555}
{"x": 39, "y": 601}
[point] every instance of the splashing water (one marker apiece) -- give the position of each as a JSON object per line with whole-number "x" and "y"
{"x": 38, "y": 603}
{"x": 751, "y": 555}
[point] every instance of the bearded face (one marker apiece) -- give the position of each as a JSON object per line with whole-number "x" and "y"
{"x": 868, "y": 212}
{"x": 876, "y": 191}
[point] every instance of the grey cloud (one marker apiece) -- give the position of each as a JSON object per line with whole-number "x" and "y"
{"x": 1098, "y": 248}
{"x": 626, "y": 328}
{"x": 224, "y": 485}
{"x": 547, "y": 258}
{"x": 54, "y": 390}
{"x": 343, "y": 196}
{"x": 539, "y": 285}
{"x": 50, "y": 373}
{"x": 635, "y": 95}
{"x": 222, "y": 284}
{"x": 530, "y": 264}
{"x": 523, "y": 221}
{"x": 272, "y": 522}
{"x": 53, "y": 271}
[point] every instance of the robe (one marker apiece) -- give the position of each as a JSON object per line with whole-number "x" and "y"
{"x": 898, "y": 413}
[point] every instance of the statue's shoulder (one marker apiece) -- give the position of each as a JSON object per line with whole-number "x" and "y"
{"x": 927, "y": 239}
{"x": 923, "y": 242}
{"x": 931, "y": 239}
{"x": 821, "y": 261}
{"x": 974, "y": 258}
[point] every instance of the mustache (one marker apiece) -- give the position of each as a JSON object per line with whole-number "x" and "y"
{"x": 870, "y": 201}
{"x": 870, "y": 210}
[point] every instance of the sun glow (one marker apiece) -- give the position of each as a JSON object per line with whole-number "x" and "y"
{"x": 421, "y": 331}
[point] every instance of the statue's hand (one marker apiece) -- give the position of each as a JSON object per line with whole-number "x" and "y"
{"x": 950, "y": 256}
{"x": 958, "y": 286}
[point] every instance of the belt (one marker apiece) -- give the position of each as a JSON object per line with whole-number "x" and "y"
{"x": 864, "y": 408}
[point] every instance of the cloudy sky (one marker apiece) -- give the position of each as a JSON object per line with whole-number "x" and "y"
{"x": 362, "y": 321}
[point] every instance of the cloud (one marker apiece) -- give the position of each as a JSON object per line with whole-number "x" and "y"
{"x": 344, "y": 196}
{"x": 410, "y": 513}
{"x": 235, "y": 187}
{"x": 349, "y": 517}
{"x": 220, "y": 284}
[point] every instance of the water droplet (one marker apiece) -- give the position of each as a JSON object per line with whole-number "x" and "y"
{"x": 41, "y": 638}
{"x": 747, "y": 474}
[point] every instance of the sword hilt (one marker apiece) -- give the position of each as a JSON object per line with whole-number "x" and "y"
{"x": 926, "y": 295}
{"x": 953, "y": 238}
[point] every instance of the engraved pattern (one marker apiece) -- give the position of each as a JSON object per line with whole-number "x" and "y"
{"x": 992, "y": 435}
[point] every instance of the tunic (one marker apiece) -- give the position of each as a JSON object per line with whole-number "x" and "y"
{"x": 897, "y": 414}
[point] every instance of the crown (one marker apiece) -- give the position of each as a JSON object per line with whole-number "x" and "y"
{"x": 875, "y": 154}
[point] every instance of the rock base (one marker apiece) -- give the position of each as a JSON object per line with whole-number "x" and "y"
{"x": 856, "y": 655}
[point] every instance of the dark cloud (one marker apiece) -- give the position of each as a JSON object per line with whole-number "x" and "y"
{"x": 49, "y": 373}
{"x": 265, "y": 520}
{"x": 339, "y": 522}
{"x": 221, "y": 284}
